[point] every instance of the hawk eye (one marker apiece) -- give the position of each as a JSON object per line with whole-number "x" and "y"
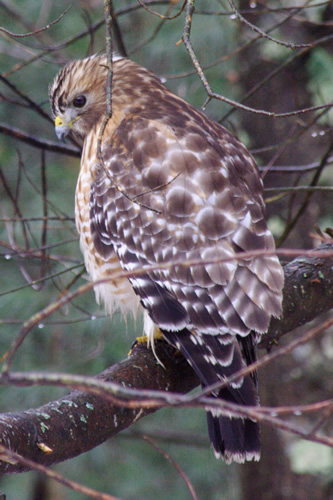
{"x": 79, "y": 101}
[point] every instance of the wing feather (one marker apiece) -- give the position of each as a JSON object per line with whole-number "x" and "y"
{"x": 180, "y": 194}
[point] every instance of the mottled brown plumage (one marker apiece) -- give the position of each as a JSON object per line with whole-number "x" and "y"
{"x": 174, "y": 187}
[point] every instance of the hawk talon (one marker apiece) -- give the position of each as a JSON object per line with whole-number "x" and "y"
{"x": 145, "y": 339}
{"x": 139, "y": 340}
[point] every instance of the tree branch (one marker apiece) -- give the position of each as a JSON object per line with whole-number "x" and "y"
{"x": 77, "y": 423}
{"x": 37, "y": 142}
{"x": 307, "y": 293}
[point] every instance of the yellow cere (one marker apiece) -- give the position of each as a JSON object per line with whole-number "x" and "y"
{"x": 58, "y": 121}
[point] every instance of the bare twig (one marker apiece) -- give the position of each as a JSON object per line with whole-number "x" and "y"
{"x": 169, "y": 18}
{"x": 214, "y": 95}
{"x": 175, "y": 465}
{"x": 263, "y": 34}
{"x": 307, "y": 198}
{"x": 45, "y": 213}
{"x": 39, "y": 143}
{"x": 27, "y": 99}
{"x": 14, "y": 458}
{"x": 35, "y": 32}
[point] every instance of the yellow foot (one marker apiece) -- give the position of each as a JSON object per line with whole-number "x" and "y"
{"x": 158, "y": 335}
{"x": 144, "y": 339}
{"x": 140, "y": 340}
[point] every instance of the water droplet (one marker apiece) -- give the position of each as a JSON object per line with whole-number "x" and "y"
{"x": 314, "y": 134}
{"x": 93, "y": 317}
{"x": 41, "y": 325}
{"x": 253, "y": 5}
{"x": 322, "y": 132}
{"x": 233, "y": 16}
{"x": 8, "y": 256}
{"x": 297, "y": 413}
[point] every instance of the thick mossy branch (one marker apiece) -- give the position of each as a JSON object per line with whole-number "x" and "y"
{"x": 307, "y": 293}
{"x": 77, "y": 423}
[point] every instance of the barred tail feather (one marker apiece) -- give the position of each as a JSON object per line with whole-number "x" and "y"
{"x": 235, "y": 440}
{"x": 213, "y": 360}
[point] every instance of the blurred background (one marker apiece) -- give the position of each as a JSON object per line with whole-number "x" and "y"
{"x": 39, "y": 251}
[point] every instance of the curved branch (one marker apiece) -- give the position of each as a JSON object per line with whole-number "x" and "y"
{"x": 307, "y": 293}
{"x": 77, "y": 423}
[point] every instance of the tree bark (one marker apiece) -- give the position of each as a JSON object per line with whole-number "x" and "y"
{"x": 307, "y": 293}
{"x": 76, "y": 423}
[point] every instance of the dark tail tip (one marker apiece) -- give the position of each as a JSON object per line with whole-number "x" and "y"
{"x": 234, "y": 439}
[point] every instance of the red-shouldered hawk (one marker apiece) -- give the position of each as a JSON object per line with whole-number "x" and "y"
{"x": 174, "y": 187}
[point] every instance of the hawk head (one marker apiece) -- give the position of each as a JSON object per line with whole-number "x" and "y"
{"x": 78, "y": 96}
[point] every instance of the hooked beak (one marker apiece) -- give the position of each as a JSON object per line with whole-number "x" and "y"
{"x": 62, "y": 129}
